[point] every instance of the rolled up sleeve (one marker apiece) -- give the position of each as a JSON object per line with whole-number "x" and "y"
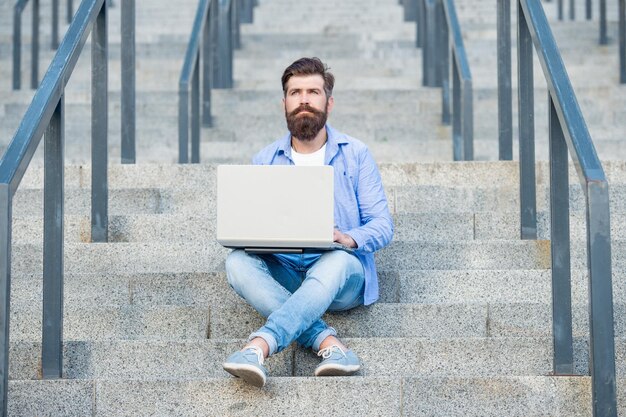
{"x": 376, "y": 230}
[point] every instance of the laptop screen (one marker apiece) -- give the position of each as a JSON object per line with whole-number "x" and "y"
{"x": 275, "y": 206}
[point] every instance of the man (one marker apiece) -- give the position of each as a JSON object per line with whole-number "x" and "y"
{"x": 294, "y": 291}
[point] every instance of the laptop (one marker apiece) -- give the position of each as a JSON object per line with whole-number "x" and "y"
{"x": 276, "y": 208}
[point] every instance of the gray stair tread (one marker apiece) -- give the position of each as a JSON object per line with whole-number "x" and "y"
{"x": 478, "y": 174}
{"x": 149, "y": 360}
{"x": 372, "y": 396}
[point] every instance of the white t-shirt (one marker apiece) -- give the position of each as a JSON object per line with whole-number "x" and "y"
{"x": 309, "y": 159}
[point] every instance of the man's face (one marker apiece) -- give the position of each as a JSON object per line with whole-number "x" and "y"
{"x": 306, "y": 106}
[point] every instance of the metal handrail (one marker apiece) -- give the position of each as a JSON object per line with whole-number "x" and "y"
{"x": 440, "y": 31}
{"x": 568, "y": 134}
{"x": 45, "y": 115}
{"x": 462, "y": 94}
{"x": 128, "y": 114}
{"x": 19, "y": 7}
{"x": 604, "y": 39}
{"x": 217, "y": 21}
{"x": 189, "y": 84}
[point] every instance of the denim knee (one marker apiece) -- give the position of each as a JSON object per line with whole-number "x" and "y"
{"x": 338, "y": 265}
{"x": 236, "y": 264}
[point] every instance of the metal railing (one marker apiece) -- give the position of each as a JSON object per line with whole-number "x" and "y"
{"x": 45, "y": 118}
{"x": 572, "y": 9}
{"x": 19, "y": 7}
{"x": 462, "y": 92}
{"x": 622, "y": 41}
{"x": 439, "y": 34}
{"x": 128, "y": 67}
{"x": 604, "y": 39}
{"x": 568, "y": 133}
{"x": 128, "y": 115}
{"x": 214, "y": 37}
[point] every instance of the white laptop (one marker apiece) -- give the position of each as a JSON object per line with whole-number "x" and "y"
{"x": 275, "y": 208}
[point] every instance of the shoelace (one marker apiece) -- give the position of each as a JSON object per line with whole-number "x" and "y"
{"x": 326, "y": 353}
{"x": 258, "y": 351}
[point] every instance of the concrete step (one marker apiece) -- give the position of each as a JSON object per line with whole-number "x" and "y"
{"x": 205, "y": 396}
{"x": 434, "y": 226}
{"x": 406, "y": 199}
{"x": 448, "y": 175}
{"x": 209, "y": 256}
{"x": 404, "y": 357}
{"x": 135, "y": 307}
{"x": 202, "y": 289}
{"x": 432, "y": 321}
{"x": 120, "y": 322}
{"x": 343, "y": 397}
{"x": 452, "y": 175}
{"x": 402, "y": 200}
{"x": 121, "y": 201}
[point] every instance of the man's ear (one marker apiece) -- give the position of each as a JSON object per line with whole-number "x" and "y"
{"x": 284, "y": 105}
{"x": 331, "y": 104}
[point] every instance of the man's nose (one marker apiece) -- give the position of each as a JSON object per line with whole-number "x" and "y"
{"x": 304, "y": 98}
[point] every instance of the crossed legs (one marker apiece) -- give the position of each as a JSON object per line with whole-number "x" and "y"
{"x": 294, "y": 299}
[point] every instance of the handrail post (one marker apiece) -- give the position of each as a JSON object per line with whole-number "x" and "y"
{"x": 195, "y": 112}
{"x": 223, "y": 59}
{"x": 444, "y": 65}
{"x": 505, "y": 100}
{"x": 588, "y": 9}
{"x": 55, "y": 25}
{"x": 604, "y": 39}
{"x": 622, "y": 41}
{"x": 467, "y": 120}
{"x": 128, "y": 115}
{"x": 572, "y": 9}
{"x": 99, "y": 132}
{"x": 34, "y": 70}
{"x": 70, "y": 11}
{"x": 17, "y": 48}
{"x": 207, "y": 81}
{"x": 410, "y": 10}
{"x": 457, "y": 135}
{"x": 183, "y": 126}
{"x": 601, "y": 333}
{"x": 234, "y": 24}
{"x": 247, "y": 11}
{"x": 526, "y": 114}
{"x": 429, "y": 52}
{"x": 5, "y": 289}
{"x": 52, "y": 327}
{"x": 560, "y": 247}
{"x": 420, "y": 32}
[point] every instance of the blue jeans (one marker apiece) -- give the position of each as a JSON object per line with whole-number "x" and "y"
{"x": 294, "y": 291}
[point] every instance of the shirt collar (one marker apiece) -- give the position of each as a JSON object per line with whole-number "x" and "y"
{"x": 333, "y": 140}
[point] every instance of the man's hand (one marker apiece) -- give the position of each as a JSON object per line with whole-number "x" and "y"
{"x": 343, "y": 239}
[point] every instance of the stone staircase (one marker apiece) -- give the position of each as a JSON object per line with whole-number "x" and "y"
{"x": 463, "y": 326}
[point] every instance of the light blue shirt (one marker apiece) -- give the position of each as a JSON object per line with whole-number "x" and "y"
{"x": 361, "y": 209}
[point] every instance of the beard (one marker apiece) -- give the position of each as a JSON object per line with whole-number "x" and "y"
{"x": 306, "y": 126}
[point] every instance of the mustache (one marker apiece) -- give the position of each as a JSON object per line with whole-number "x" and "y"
{"x": 305, "y": 107}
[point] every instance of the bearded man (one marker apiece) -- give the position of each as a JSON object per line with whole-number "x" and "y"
{"x": 293, "y": 291}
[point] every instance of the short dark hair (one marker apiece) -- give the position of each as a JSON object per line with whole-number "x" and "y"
{"x": 309, "y": 66}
